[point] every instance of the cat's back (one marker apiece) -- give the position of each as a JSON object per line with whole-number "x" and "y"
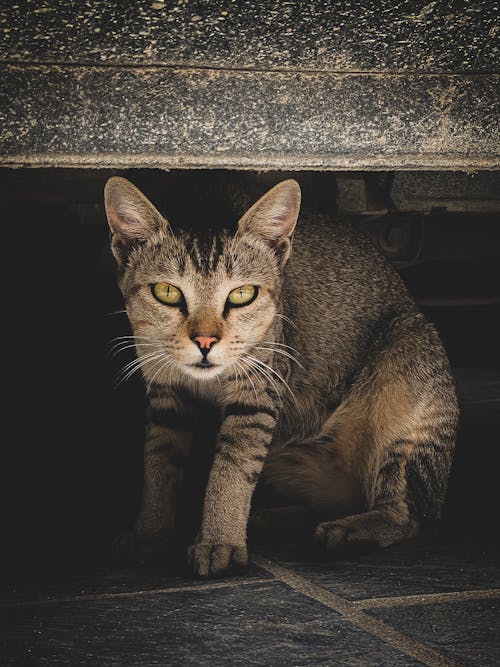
{"x": 339, "y": 294}
{"x": 335, "y": 269}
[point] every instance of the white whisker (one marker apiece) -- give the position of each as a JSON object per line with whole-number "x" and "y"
{"x": 125, "y": 345}
{"x": 128, "y": 339}
{"x": 258, "y": 370}
{"x": 115, "y": 312}
{"x": 282, "y": 352}
{"x": 287, "y": 319}
{"x": 163, "y": 366}
{"x": 242, "y": 367}
{"x": 273, "y": 342}
{"x": 132, "y": 336}
{"x": 133, "y": 366}
{"x": 271, "y": 370}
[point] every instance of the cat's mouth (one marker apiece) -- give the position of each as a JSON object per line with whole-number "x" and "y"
{"x": 205, "y": 364}
{"x": 204, "y": 369}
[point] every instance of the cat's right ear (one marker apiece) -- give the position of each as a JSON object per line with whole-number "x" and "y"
{"x": 132, "y": 218}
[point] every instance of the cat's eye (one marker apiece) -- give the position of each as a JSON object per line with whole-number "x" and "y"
{"x": 242, "y": 296}
{"x": 167, "y": 294}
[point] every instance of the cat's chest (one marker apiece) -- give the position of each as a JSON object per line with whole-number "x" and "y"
{"x": 302, "y": 409}
{"x": 302, "y": 415}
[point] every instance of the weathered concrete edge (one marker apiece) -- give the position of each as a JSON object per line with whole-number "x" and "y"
{"x": 313, "y": 122}
{"x": 277, "y": 162}
{"x": 190, "y": 66}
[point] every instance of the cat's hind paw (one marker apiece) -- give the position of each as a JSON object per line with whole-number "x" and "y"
{"x": 341, "y": 539}
{"x": 361, "y": 533}
{"x": 216, "y": 560}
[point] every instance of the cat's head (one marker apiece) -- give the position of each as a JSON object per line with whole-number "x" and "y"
{"x": 199, "y": 305}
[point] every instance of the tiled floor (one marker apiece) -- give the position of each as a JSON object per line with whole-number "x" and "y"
{"x": 425, "y": 602}
{"x": 420, "y": 603}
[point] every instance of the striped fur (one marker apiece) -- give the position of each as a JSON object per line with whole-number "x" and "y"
{"x": 335, "y": 393}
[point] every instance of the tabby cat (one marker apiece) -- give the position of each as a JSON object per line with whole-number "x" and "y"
{"x": 331, "y": 386}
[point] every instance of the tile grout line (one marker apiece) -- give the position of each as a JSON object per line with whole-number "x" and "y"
{"x": 356, "y": 616}
{"x": 127, "y": 594}
{"x": 427, "y": 598}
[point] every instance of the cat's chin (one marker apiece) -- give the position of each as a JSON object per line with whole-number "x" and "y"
{"x": 199, "y": 372}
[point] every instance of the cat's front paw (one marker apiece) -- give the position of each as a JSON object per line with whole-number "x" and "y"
{"x": 216, "y": 560}
{"x": 129, "y": 548}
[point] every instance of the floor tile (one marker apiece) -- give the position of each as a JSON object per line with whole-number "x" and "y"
{"x": 465, "y": 631}
{"x": 413, "y": 568}
{"x": 97, "y": 579}
{"x": 261, "y": 624}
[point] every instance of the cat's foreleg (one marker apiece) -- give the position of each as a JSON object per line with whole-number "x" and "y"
{"x": 242, "y": 446}
{"x": 166, "y": 448}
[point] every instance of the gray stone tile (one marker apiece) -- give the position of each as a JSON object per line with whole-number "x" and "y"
{"x": 413, "y": 568}
{"x": 262, "y": 624}
{"x": 50, "y": 584}
{"x": 466, "y": 631}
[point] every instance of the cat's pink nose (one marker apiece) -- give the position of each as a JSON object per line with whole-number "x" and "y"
{"x": 205, "y": 342}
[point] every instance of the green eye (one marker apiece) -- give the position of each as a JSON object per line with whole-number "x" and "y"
{"x": 242, "y": 296}
{"x": 167, "y": 294}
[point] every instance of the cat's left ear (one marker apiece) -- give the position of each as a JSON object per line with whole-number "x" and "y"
{"x": 273, "y": 218}
{"x": 132, "y": 218}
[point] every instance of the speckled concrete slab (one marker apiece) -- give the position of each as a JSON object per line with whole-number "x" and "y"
{"x": 264, "y": 624}
{"x": 283, "y": 85}
{"x": 315, "y": 34}
{"x": 126, "y": 117}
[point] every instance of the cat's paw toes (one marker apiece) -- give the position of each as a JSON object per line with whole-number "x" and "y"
{"x": 339, "y": 538}
{"x": 216, "y": 560}
{"x": 128, "y": 548}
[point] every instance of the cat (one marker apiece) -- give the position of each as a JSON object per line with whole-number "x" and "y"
{"x": 331, "y": 386}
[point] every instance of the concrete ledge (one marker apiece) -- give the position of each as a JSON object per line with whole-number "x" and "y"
{"x": 81, "y": 116}
{"x": 340, "y": 36}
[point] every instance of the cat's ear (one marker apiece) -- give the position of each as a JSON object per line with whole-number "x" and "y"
{"x": 273, "y": 218}
{"x": 132, "y": 218}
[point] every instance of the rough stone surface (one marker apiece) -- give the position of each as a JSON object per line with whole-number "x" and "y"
{"x": 103, "y": 579}
{"x": 283, "y": 85}
{"x": 415, "y": 568}
{"x": 464, "y": 631}
{"x": 453, "y": 191}
{"x": 266, "y": 624}
{"x": 77, "y": 116}
{"x": 345, "y": 36}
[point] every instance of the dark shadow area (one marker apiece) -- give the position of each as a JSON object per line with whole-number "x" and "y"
{"x": 71, "y": 453}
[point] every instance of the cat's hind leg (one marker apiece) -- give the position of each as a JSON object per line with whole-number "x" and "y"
{"x": 378, "y": 470}
{"x": 319, "y": 475}
{"x": 388, "y": 521}
{"x": 307, "y": 480}
{"x": 401, "y": 422}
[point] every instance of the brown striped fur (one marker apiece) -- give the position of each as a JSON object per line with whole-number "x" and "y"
{"x": 334, "y": 391}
